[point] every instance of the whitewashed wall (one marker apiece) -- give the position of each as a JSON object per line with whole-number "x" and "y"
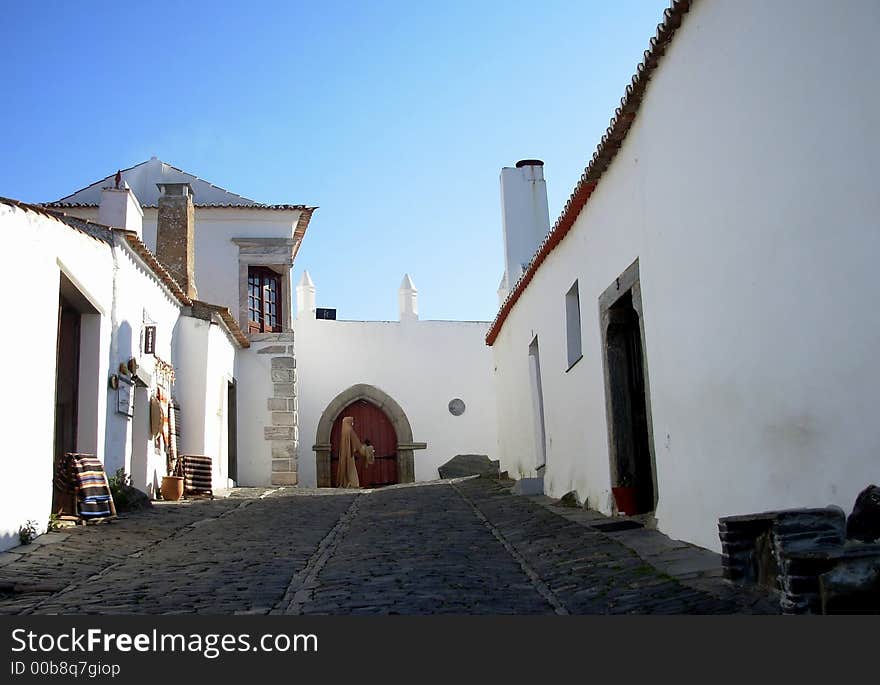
{"x": 204, "y": 362}
{"x": 36, "y": 250}
{"x": 139, "y": 298}
{"x": 255, "y": 388}
{"x": 422, "y": 365}
{"x": 216, "y": 255}
{"x": 219, "y": 373}
{"x": 746, "y": 188}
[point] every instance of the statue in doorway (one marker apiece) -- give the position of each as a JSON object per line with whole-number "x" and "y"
{"x": 349, "y": 446}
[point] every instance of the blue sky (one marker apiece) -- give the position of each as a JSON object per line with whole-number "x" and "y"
{"x": 394, "y": 117}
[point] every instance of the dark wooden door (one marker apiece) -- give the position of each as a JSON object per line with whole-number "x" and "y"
{"x": 629, "y": 411}
{"x": 373, "y": 426}
{"x": 66, "y": 395}
{"x": 232, "y": 432}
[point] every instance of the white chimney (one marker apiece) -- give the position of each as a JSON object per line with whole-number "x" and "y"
{"x": 305, "y": 297}
{"x": 525, "y": 216}
{"x": 408, "y": 300}
{"x": 503, "y": 292}
{"x": 119, "y": 208}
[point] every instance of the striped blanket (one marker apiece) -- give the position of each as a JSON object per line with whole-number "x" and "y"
{"x": 93, "y": 498}
{"x": 197, "y": 475}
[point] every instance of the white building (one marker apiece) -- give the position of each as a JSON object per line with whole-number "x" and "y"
{"x": 698, "y": 321}
{"x": 107, "y": 323}
{"x": 420, "y": 391}
{"x": 701, "y": 316}
{"x": 172, "y": 287}
{"x": 240, "y": 253}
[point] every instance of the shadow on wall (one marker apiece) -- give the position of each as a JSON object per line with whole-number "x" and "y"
{"x": 9, "y": 539}
{"x": 118, "y": 425}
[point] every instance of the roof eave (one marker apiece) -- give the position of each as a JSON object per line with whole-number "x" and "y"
{"x": 605, "y": 152}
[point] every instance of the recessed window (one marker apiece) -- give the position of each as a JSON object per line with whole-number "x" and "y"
{"x": 264, "y": 300}
{"x": 149, "y": 340}
{"x": 573, "y": 324}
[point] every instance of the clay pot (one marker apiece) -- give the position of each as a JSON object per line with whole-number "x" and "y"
{"x": 172, "y": 488}
{"x": 626, "y": 500}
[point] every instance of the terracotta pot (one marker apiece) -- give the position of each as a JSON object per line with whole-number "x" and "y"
{"x": 172, "y": 488}
{"x": 626, "y": 500}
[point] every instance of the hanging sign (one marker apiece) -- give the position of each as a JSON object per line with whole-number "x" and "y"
{"x": 125, "y": 397}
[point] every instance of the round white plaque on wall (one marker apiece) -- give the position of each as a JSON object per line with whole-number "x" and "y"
{"x": 456, "y": 407}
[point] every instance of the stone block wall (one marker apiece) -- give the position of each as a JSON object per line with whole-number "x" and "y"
{"x": 282, "y": 429}
{"x": 785, "y": 551}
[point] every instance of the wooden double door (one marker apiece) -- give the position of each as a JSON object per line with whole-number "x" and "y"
{"x": 373, "y": 426}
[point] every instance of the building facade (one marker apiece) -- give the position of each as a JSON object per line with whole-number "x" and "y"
{"x": 154, "y": 286}
{"x": 239, "y": 254}
{"x": 108, "y": 326}
{"x": 699, "y": 322}
{"x": 430, "y": 380}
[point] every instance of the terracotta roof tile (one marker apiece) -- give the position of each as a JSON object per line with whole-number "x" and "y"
{"x": 302, "y": 223}
{"x": 137, "y": 245}
{"x": 228, "y": 320}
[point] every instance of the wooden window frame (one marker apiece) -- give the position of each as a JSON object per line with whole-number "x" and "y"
{"x": 261, "y": 304}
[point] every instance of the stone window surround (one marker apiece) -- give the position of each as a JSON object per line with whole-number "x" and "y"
{"x": 372, "y": 394}
{"x": 277, "y": 253}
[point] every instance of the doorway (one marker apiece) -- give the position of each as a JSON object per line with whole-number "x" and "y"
{"x": 232, "y": 432}
{"x": 626, "y": 390}
{"x": 372, "y": 426}
{"x": 66, "y": 401}
{"x": 537, "y": 404}
{"x": 141, "y": 441}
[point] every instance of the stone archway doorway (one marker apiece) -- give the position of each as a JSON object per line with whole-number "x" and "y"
{"x": 389, "y": 407}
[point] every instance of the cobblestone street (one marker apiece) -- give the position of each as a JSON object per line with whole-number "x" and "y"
{"x": 460, "y": 547}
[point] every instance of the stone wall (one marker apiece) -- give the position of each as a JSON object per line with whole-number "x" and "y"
{"x": 804, "y": 556}
{"x": 268, "y": 411}
{"x": 282, "y": 433}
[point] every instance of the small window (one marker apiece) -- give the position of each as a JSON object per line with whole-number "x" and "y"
{"x": 149, "y": 340}
{"x": 573, "y": 324}
{"x": 264, "y": 300}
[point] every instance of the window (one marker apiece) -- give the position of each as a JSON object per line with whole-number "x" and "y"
{"x": 573, "y": 324}
{"x": 149, "y": 340}
{"x": 264, "y": 300}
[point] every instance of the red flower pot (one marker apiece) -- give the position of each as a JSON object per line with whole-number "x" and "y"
{"x": 626, "y": 500}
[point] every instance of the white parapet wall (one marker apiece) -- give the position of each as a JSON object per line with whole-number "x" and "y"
{"x": 421, "y": 365}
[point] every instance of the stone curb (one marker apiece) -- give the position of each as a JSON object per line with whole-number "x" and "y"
{"x": 696, "y": 567}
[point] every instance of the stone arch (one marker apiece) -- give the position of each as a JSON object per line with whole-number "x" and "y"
{"x": 398, "y": 418}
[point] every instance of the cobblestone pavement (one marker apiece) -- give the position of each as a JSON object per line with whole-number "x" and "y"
{"x": 462, "y": 547}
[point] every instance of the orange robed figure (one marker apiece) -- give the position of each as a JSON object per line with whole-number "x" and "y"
{"x": 349, "y": 446}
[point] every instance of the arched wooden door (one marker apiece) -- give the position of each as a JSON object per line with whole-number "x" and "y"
{"x": 373, "y": 426}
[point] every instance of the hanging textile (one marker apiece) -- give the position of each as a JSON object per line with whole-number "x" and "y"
{"x": 197, "y": 471}
{"x": 93, "y": 498}
{"x": 156, "y": 417}
{"x": 172, "y": 430}
{"x": 164, "y": 373}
